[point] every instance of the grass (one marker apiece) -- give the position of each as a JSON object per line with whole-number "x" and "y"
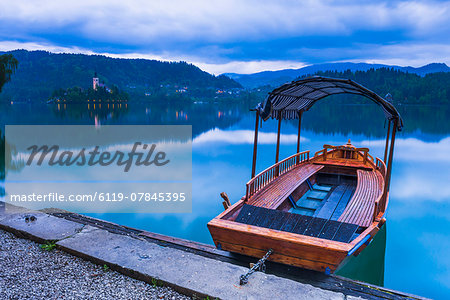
{"x": 49, "y": 246}
{"x": 156, "y": 282}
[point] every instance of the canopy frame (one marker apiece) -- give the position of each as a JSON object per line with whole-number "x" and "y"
{"x": 290, "y": 100}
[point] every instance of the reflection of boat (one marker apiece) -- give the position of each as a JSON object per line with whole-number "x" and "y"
{"x": 312, "y": 210}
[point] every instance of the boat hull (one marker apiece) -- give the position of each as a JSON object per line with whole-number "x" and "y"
{"x": 288, "y": 248}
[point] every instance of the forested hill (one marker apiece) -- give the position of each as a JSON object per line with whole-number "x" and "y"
{"x": 276, "y": 78}
{"x": 405, "y": 88}
{"x": 40, "y": 73}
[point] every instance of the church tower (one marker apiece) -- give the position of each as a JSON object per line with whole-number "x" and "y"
{"x": 95, "y": 81}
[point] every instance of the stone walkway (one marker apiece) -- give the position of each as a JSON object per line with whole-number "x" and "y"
{"x": 27, "y": 271}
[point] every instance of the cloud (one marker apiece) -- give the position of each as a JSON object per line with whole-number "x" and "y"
{"x": 419, "y": 169}
{"x": 243, "y": 137}
{"x": 218, "y": 21}
{"x": 233, "y": 35}
{"x": 248, "y": 67}
{"x": 415, "y": 150}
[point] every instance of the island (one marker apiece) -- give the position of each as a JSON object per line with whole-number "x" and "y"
{"x": 99, "y": 92}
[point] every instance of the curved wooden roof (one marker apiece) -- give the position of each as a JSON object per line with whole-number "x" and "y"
{"x": 291, "y": 98}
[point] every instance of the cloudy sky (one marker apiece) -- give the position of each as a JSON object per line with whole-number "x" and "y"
{"x": 241, "y": 36}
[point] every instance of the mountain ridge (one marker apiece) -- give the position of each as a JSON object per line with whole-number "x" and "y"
{"x": 276, "y": 78}
{"x": 39, "y": 73}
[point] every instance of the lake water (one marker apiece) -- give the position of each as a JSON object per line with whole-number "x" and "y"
{"x": 417, "y": 236}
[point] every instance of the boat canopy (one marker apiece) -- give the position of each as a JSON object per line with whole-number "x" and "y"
{"x": 290, "y": 99}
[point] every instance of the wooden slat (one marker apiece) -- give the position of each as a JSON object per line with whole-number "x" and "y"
{"x": 295, "y": 223}
{"x": 340, "y": 208}
{"x": 263, "y": 215}
{"x": 345, "y": 232}
{"x": 330, "y": 204}
{"x": 291, "y": 222}
{"x": 290, "y": 244}
{"x": 329, "y": 230}
{"x": 245, "y": 214}
{"x": 280, "y": 188}
{"x": 360, "y": 208}
{"x": 280, "y": 257}
{"x": 349, "y": 163}
{"x": 302, "y": 224}
{"x": 315, "y": 227}
{"x": 280, "y": 220}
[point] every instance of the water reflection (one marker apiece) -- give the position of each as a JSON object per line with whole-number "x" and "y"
{"x": 372, "y": 258}
{"x": 244, "y": 137}
{"x": 97, "y": 111}
{"x": 418, "y": 215}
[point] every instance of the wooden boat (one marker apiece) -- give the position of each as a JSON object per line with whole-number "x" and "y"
{"x": 313, "y": 211}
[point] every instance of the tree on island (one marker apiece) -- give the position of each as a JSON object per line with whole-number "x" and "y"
{"x": 79, "y": 95}
{"x": 8, "y": 64}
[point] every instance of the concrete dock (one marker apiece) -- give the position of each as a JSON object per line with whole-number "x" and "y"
{"x": 194, "y": 269}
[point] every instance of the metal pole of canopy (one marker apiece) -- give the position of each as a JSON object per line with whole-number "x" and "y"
{"x": 278, "y": 138}
{"x": 387, "y": 141}
{"x": 391, "y": 154}
{"x": 255, "y": 144}
{"x": 298, "y": 136}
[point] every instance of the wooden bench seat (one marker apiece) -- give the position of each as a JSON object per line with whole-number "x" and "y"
{"x": 350, "y": 163}
{"x": 360, "y": 208}
{"x": 272, "y": 195}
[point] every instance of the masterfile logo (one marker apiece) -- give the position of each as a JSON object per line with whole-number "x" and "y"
{"x": 91, "y": 158}
{"x": 116, "y": 168}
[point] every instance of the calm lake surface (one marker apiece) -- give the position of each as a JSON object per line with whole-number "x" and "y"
{"x": 417, "y": 233}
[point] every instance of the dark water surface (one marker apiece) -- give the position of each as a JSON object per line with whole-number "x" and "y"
{"x": 417, "y": 233}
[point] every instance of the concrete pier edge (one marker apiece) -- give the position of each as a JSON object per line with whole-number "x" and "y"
{"x": 70, "y": 236}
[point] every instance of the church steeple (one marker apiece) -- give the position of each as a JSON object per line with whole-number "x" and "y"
{"x": 95, "y": 81}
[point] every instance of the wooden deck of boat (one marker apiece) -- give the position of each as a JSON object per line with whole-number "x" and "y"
{"x": 360, "y": 209}
{"x": 337, "y": 201}
{"x": 296, "y": 223}
{"x": 345, "y": 163}
{"x": 281, "y": 187}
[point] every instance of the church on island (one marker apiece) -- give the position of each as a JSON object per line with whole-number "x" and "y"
{"x": 96, "y": 84}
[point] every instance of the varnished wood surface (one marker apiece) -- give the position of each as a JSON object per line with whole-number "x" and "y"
{"x": 294, "y": 248}
{"x": 311, "y": 252}
{"x": 296, "y": 223}
{"x": 280, "y": 188}
{"x": 361, "y": 207}
{"x": 349, "y": 163}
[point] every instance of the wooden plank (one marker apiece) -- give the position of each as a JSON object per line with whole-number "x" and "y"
{"x": 315, "y": 227}
{"x": 279, "y": 236}
{"x": 278, "y": 223}
{"x": 349, "y": 163}
{"x": 253, "y": 216}
{"x": 245, "y": 213}
{"x": 360, "y": 208}
{"x": 318, "y": 195}
{"x": 343, "y": 202}
{"x": 280, "y": 257}
{"x": 345, "y": 232}
{"x": 322, "y": 188}
{"x": 302, "y": 224}
{"x": 269, "y": 220}
{"x": 290, "y": 244}
{"x": 330, "y": 205}
{"x": 281, "y": 187}
{"x": 311, "y": 204}
{"x": 329, "y": 230}
{"x": 291, "y": 222}
{"x": 263, "y": 215}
